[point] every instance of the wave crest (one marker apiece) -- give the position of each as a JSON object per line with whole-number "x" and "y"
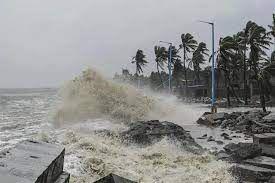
{"x": 92, "y": 96}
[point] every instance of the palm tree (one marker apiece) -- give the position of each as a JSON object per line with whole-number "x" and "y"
{"x": 161, "y": 55}
{"x": 198, "y": 59}
{"x": 189, "y": 44}
{"x": 272, "y": 27}
{"x": 259, "y": 41}
{"x": 241, "y": 39}
{"x": 178, "y": 72}
{"x": 272, "y": 58}
{"x": 225, "y": 55}
{"x": 175, "y": 55}
{"x": 140, "y": 61}
{"x": 272, "y": 32}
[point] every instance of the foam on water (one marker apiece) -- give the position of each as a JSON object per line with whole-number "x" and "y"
{"x": 161, "y": 162}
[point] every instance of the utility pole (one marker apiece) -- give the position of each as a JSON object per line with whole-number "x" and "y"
{"x": 213, "y": 101}
{"x": 169, "y": 65}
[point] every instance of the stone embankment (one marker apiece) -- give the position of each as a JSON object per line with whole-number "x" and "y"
{"x": 252, "y": 162}
{"x": 33, "y": 162}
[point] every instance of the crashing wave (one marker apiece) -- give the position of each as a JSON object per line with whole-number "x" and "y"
{"x": 91, "y": 96}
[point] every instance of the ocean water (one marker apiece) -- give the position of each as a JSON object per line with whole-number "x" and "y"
{"x": 23, "y": 112}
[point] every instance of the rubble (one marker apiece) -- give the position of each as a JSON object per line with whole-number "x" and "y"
{"x": 251, "y": 122}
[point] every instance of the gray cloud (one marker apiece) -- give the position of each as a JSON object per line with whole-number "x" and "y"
{"x": 44, "y": 43}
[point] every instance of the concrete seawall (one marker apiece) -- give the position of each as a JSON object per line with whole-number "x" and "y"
{"x": 33, "y": 162}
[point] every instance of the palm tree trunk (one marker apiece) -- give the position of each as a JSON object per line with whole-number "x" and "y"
{"x": 137, "y": 75}
{"x": 160, "y": 75}
{"x": 185, "y": 71}
{"x": 262, "y": 97}
{"x": 244, "y": 80}
{"x": 227, "y": 91}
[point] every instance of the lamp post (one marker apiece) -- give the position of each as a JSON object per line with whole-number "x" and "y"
{"x": 213, "y": 106}
{"x": 169, "y": 65}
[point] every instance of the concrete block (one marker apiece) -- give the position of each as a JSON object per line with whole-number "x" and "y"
{"x": 268, "y": 150}
{"x": 112, "y": 178}
{"x": 270, "y": 118}
{"x": 262, "y": 161}
{"x": 252, "y": 173}
{"x": 33, "y": 161}
{"x": 264, "y": 138}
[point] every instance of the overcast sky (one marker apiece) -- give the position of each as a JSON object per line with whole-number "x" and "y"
{"x": 46, "y": 42}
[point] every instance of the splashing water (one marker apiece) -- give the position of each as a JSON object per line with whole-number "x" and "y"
{"x": 90, "y": 156}
{"x": 90, "y": 96}
{"x": 161, "y": 162}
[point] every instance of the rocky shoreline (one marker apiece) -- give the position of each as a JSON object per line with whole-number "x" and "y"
{"x": 252, "y": 162}
{"x": 249, "y": 123}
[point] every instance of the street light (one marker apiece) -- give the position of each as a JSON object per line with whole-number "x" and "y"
{"x": 169, "y": 63}
{"x": 213, "y": 106}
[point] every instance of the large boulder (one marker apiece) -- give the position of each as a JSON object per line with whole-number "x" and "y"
{"x": 149, "y": 132}
{"x": 212, "y": 119}
{"x": 242, "y": 151}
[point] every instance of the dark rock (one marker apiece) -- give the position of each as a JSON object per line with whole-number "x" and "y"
{"x": 222, "y": 155}
{"x": 210, "y": 139}
{"x": 224, "y": 124}
{"x": 234, "y": 115}
{"x": 242, "y": 151}
{"x": 204, "y": 121}
{"x": 252, "y": 173}
{"x": 217, "y": 123}
{"x": 112, "y": 178}
{"x": 219, "y": 142}
{"x": 224, "y": 135}
{"x": 149, "y": 132}
{"x": 203, "y": 137}
{"x": 212, "y": 119}
{"x": 236, "y": 136}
